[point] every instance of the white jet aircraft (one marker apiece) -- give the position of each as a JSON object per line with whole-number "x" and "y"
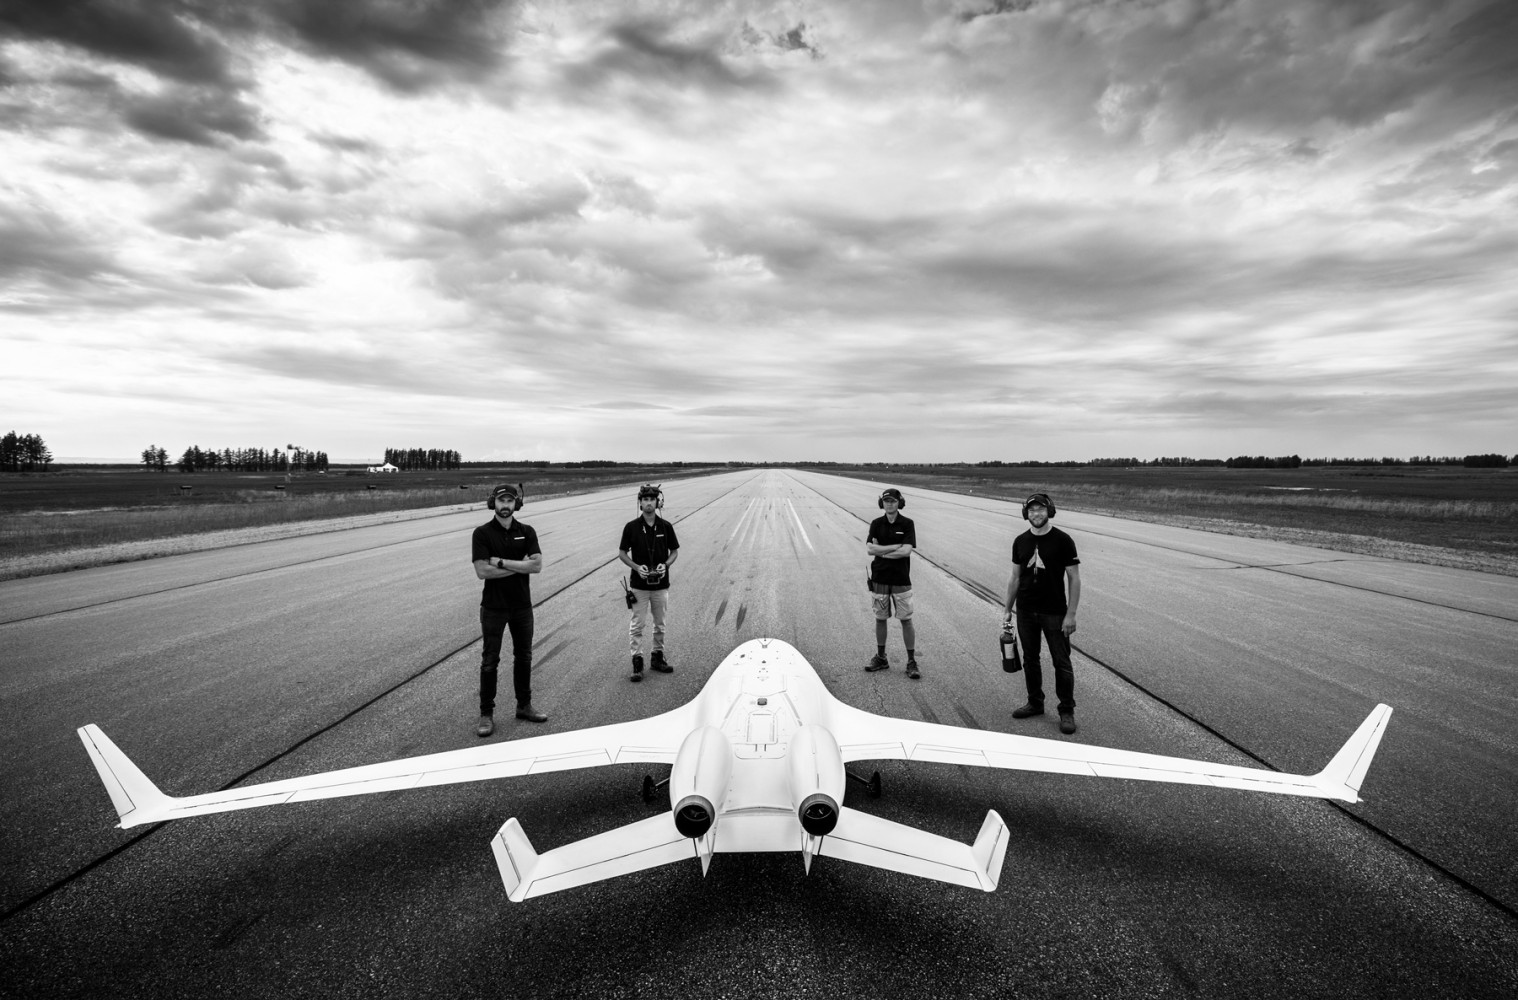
{"x": 759, "y": 765}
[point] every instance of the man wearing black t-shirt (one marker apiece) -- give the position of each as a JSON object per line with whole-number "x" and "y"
{"x": 649, "y": 548}
{"x": 890, "y": 542}
{"x": 505, "y": 553}
{"x": 1043, "y": 561}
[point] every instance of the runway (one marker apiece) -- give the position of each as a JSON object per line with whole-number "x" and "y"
{"x": 285, "y": 658}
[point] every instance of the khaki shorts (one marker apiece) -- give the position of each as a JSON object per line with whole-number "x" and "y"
{"x": 885, "y": 595}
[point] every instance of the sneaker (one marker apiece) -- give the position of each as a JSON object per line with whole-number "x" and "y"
{"x": 1067, "y": 723}
{"x": 531, "y": 714}
{"x": 656, "y": 662}
{"x": 637, "y": 674}
{"x": 912, "y": 670}
{"x": 878, "y": 662}
{"x": 1027, "y": 711}
{"x": 486, "y": 726}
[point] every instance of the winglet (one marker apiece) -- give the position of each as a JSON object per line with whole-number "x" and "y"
{"x": 515, "y": 858}
{"x": 136, "y": 798}
{"x": 990, "y": 849}
{"x": 1342, "y": 777}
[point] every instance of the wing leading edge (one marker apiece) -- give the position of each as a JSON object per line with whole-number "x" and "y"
{"x": 138, "y": 800}
{"x": 863, "y": 736}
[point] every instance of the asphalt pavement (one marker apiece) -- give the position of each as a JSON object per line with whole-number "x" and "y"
{"x": 286, "y": 658}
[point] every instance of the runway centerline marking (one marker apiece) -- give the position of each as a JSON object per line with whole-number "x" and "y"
{"x": 746, "y": 511}
{"x": 799, "y": 528}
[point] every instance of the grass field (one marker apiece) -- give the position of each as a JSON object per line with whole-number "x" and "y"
{"x": 1447, "y": 516}
{"x": 92, "y": 515}
{"x": 1450, "y": 516}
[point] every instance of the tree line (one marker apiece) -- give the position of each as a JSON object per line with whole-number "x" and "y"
{"x": 24, "y": 453}
{"x": 1175, "y": 461}
{"x": 1465, "y": 461}
{"x": 1296, "y": 461}
{"x": 198, "y": 459}
{"x": 423, "y": 458}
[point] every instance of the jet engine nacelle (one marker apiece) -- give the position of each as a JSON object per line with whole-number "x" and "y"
{"x": 817, "y": 779}
{"x": 698, "y": 783}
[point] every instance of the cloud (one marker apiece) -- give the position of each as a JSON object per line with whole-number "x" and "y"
{"x": 490, "y": 224}
{"x": 410, "y": 46}
{"x": 625, "y": 404}
{"x": 392, "y": 368}
{"x": 37, "y": 244}
{"x": 744, "y": 225}
{"x": 199, "y": 116}
{"x": 269, "y": 267}
{"x": 646, "y": 52}
{"x": 167, "y": 38}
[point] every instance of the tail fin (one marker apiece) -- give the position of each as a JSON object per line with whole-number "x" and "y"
{"x": 1342, "y": 777}
{"x": 136, "y": 798}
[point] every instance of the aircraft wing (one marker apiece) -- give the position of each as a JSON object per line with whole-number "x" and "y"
{"x": 652, "y": 740}
{"x": 863, "y": 736}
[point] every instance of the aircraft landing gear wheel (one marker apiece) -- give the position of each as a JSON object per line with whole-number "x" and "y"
{"x": 871, "y": 786}
{"x": 649, "y": 788}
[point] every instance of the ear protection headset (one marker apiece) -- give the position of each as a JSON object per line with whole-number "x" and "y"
{"x": 894, "y": 494}
{"x": 650, "y": 490}
{"x": 516, "y": 493}
{"x": 1039, "y": 498}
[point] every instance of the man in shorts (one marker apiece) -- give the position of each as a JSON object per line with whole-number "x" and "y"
{"x": 890, "y": 542}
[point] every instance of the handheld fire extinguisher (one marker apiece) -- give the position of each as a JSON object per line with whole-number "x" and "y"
{"x": 1011, "y": 662}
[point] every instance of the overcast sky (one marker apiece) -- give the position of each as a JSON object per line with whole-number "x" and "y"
{"x": 934, "y": 231}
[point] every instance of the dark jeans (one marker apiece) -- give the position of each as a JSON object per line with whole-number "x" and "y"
{"x": 493, "y": 624}
{"x": 1031, "y": 625}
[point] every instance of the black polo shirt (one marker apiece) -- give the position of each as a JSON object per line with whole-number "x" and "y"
{"x": 491, "y": 541}
{"x": 896, "y": 572}
{"x": 648, "y": 545}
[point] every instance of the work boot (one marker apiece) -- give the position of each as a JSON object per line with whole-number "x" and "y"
{"x": 1067, "y": 723}
{"x": 486, "y": 726}
{"x": 637, "y": 674}
{"x": 878, "y": 662}
{"x": 912, "y": 670}
{"x": 1027, "y": 711}
{"x": 531, "y": 714}
{"x": 656, "y": 662}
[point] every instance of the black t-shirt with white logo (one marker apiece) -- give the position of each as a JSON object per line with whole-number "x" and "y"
{"x": 884, "y": 531}
{"x": 491, "y": 541}
{"x": 1044, "y": 558}
{"x": 648, "y": 545}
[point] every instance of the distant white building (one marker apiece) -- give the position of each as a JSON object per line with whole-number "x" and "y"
{"x": 387, "y": 467}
